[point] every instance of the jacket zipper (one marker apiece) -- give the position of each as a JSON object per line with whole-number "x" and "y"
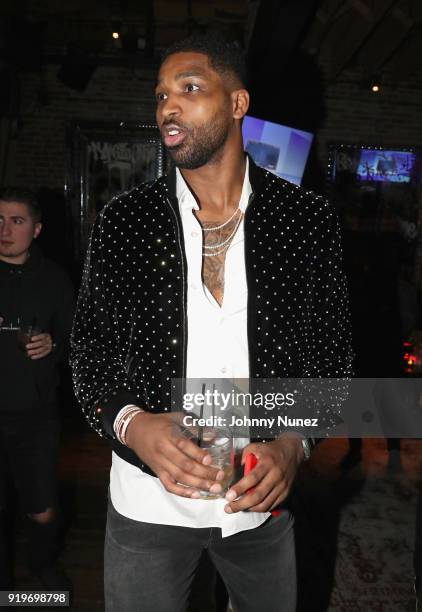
{"x": 184, "y": 283}
{"x": 184, "y": 326}
{"x": 248, "y": 310}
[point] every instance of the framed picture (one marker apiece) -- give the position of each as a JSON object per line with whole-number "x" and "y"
{"x": 104, "y": 159}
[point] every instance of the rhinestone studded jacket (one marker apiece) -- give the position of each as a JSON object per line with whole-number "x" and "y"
{"x": 129, "y": 335}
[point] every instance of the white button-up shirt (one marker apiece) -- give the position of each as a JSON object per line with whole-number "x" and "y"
{"x": 217, "y": 348}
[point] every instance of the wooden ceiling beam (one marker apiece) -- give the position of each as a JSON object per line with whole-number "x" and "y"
{"x": 352, "y": 32}
{"x": 390, "y": 34}
{"x": 325, "y": 17}
{"x": 407, "y": 59}
{"x": 389, "y": 37}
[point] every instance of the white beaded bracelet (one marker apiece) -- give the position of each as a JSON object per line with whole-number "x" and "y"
{"x": 122, "y": 421}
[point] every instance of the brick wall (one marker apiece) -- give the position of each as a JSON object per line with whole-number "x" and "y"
{"x": 356, "y": 115}
{"x": 38, "y": 153}
{"x": 353, "y": 114}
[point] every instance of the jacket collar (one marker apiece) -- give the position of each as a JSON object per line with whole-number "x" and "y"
{"x": 187, "y": 201}
{"x": 256, "y": 178}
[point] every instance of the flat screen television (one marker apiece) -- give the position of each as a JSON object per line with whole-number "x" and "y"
{"x": 385, "y": 166}
{"x": 278, "y": 148}
{"x": 371, "y": 166}
{"x": 376, "y": 187}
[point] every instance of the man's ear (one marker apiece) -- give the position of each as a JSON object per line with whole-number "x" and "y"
{"x": 240, "y": 100}
{"x": 37, "y": 229}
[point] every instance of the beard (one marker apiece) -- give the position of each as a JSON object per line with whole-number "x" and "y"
{"x": 201, "y": 145}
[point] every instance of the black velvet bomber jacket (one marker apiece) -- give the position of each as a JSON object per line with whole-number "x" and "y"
{"x": 129, "y": 335}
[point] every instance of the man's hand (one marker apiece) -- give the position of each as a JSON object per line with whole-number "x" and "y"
{"x": 177, "y": 461}
{"x": 270, "y": 479}
{"x": 40, "y": 346}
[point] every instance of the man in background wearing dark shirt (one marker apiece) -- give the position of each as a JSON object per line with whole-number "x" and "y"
{"x": 36, "y": 299}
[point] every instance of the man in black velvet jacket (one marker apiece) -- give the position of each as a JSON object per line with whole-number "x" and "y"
{"x": 132, "y": 336}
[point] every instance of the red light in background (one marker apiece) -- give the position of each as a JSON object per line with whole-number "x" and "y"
{"x": 409, "y": 357}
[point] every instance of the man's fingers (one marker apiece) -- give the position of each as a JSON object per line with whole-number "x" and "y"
{"x": 187, "y": 471}
{"x": 188, "y": 480}
{"x": 36, "y": 349}
{"x": 37, "y": 354}
{"x": 192, "y": 450}
{"x": 40, "y": 340}
{"x": 36, "y": 345}
{"x": 258, "y": 495}
{"x": 191, "y": 458}
{"x": 173, "y": 487}
{"x": 253, "y": 498}
{"x": 180, "y": 477}
{"x": 250, "y": 481}
{"x": 273, "y": 499}
{"x": 39, "y": 347}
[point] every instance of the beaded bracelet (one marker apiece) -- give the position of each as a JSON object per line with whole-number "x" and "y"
{"x": 122, "y": 421}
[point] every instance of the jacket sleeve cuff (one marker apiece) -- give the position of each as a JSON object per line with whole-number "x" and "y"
{"x": 109, "y": 408}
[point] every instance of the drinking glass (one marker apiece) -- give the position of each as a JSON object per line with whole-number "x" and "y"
{"x": 219, "y": 444}
{"x": 25, "y": 333}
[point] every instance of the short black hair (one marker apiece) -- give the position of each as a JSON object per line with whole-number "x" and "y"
{"x": 23, "y": 196}
{"x": 225, "y": 56}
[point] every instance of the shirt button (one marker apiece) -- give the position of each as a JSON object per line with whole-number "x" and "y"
{"x": 223, "y": 370}
{"x": 194, "y": 234}
{"x": 193, "y": 286}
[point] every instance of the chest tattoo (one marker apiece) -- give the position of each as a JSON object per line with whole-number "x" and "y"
{"x": 213, "y": 266}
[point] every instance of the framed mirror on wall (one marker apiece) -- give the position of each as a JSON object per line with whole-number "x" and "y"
{"x": 103, "y": 160}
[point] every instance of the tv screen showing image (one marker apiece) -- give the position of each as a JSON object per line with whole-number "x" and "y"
{"x": 385, "y": 166}
{"x": 278, "y": 148}
{"x": 376, "y": 188}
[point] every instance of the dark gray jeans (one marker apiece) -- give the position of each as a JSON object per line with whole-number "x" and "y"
{"x": 150, "y": 568}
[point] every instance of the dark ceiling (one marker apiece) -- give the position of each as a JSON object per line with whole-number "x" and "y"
{"x": 376, "y": 35}
{"x": 295, "y": 47}
{"x": 380, "y": 36}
